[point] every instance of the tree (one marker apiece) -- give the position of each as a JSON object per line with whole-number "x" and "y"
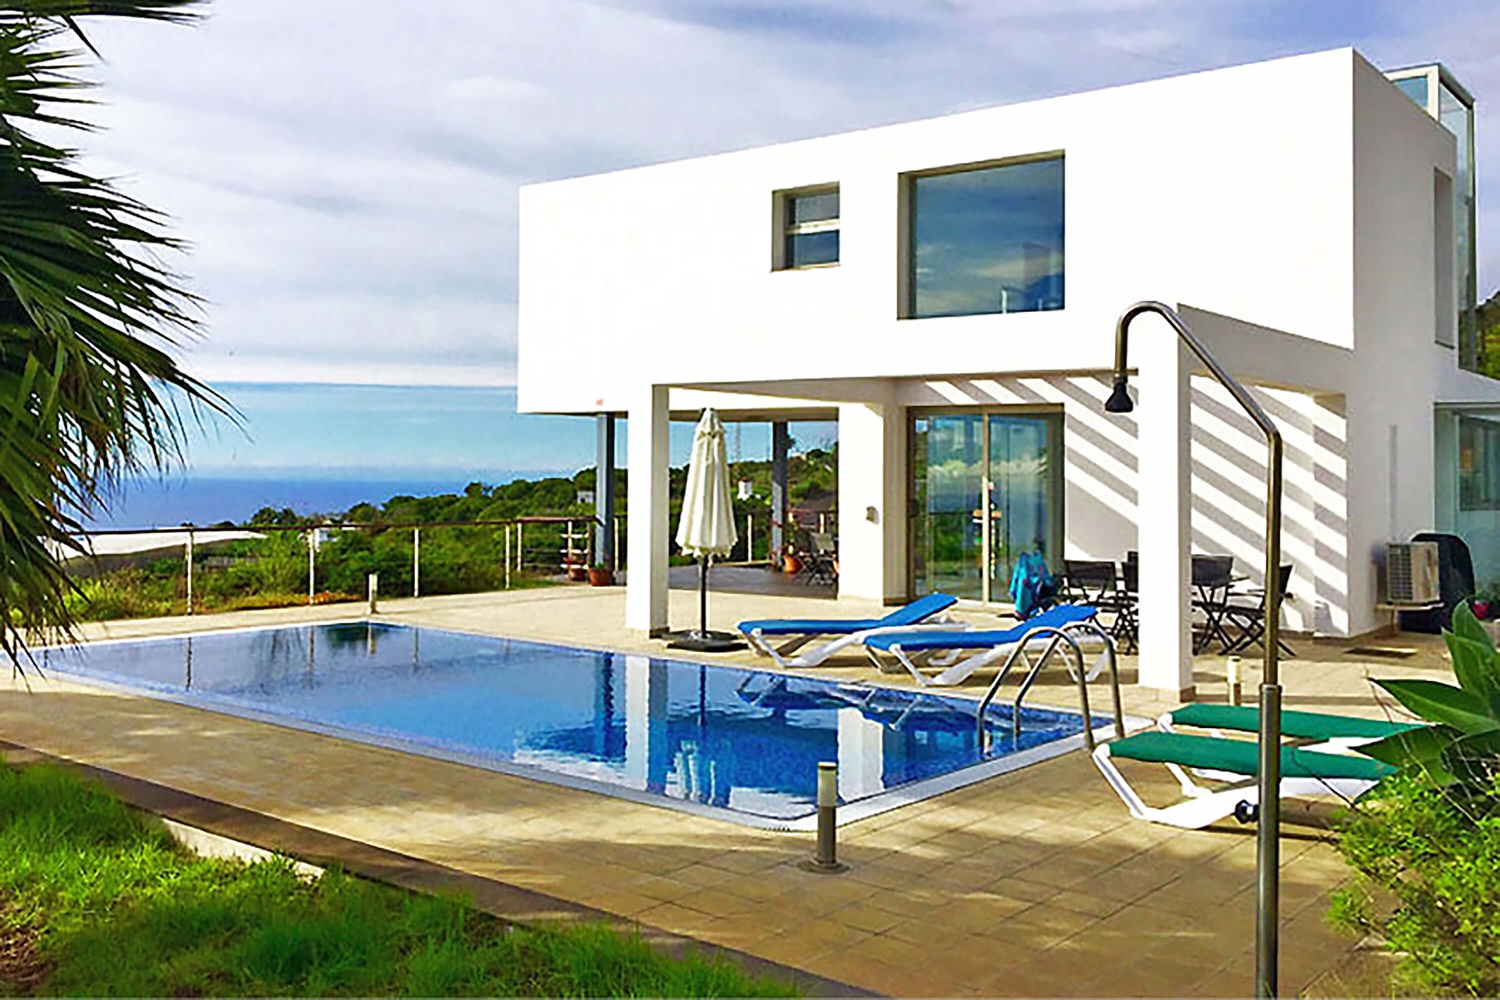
{"x": 88, "y": 390}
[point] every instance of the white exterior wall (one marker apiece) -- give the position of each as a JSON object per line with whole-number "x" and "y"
{"x": 1285, "y": 208}
{"x": 1402, "y": 369}
{"x": 1223, "y": 189}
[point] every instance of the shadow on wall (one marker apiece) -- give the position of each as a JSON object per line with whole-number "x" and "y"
{"x": 1228, "y": 484}
{"x": 1228, "y": 473}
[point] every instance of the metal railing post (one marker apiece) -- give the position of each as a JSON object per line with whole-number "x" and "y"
{"x": 312, "y": 564}
{"x": 189, "y": 558}
{"x": 416, "y": 562}
{"x": 507, "y": 557}
{"x": 373, "y": 584}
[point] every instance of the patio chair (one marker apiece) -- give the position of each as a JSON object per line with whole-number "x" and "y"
{"x": 1089, "y": 581}
{"x": 1126, "y": 627}
{"x": 916, "y": 651}
{"x": 798, "y": 632}
{"x": 1212, "y": 577}
{"x": 822, "y": 562}
{"x": 1250, "y": 619}
{"x": 1303, "y": 772}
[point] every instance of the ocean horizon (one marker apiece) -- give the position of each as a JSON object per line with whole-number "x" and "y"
{"x": 205, "y": 500}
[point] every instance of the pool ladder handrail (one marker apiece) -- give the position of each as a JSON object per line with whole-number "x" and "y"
{"x": 1059, "y": 636}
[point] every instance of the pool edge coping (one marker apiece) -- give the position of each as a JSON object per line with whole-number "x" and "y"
{"x": 510, "y": 903}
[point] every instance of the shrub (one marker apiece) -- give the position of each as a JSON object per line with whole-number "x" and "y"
{"x": 1428, "y": 839}
{"x": 1430, "y": 886}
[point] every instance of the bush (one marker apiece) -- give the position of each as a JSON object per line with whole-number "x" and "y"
{"x": 1429, "y": 886}
{"x": 1428, "y": 839}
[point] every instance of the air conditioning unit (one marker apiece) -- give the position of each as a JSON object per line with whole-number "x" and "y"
{"x": 1411, "y": 573}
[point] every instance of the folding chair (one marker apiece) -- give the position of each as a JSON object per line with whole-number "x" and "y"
{"x": 1250, "y": 619}
{"x": 1212, "y": 577}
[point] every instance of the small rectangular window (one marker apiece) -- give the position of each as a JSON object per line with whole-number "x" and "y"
{"x": 808, "y": 226}
{"x": 1445, "y": 317}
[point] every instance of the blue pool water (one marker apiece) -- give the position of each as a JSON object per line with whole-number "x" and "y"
{"x": 731, "y": 741}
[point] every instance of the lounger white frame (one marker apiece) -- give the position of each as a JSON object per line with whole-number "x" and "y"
{"x": 761, "y": 643}
{"x": 1208, "y": 805}
{"x": 957, "y": 665}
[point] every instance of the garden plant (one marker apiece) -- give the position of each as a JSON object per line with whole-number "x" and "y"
{"x": 1426, "y": 842}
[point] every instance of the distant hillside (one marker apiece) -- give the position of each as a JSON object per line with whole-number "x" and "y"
{"x": 812, "y": 484}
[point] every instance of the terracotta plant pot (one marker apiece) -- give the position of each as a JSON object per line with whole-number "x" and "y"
{"x": 578, "y": 574}
{"x": 791, "y": 564}
{"x": 601, "y": 576}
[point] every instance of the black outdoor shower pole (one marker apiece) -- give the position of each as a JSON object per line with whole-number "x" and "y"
{"x": 1268, "y": 821}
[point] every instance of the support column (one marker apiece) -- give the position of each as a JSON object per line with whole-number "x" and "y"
{"x": 781, "y": 442}
{"x": 872, "y": 501}
{"x": 648, "y": 451}
{"x": 1164, "y": 510}
{"x": 604, "y": 491}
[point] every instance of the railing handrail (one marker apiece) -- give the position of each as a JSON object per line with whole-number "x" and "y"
{"x": 382, "y": 525}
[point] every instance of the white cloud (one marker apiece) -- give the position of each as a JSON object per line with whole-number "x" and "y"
{"x": 347, "y": 171}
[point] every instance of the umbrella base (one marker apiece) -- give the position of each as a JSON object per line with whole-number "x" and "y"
{"x": 699, "y": 641}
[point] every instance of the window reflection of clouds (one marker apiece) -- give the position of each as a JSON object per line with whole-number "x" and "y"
{"x": 988, "y": 240}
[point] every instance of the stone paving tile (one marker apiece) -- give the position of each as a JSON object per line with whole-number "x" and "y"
{"x": 865, "y": 917}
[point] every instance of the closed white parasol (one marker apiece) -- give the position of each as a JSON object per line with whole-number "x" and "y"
{"x": 706, "y": 528}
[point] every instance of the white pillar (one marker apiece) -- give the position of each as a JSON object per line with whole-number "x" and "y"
{"x": 648, "y": 452}
{"x": 872, "y": 501}
{"x": 1164, "y": 507}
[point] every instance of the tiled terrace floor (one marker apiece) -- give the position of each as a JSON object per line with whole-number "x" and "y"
{"x": 1033, "y": 883}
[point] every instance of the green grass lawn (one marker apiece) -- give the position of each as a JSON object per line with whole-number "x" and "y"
{"x": 96, "y": 901}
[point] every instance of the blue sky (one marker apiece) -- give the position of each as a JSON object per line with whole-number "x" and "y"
{"x": 347, "y": 179}
{"x": 419, "y": 434}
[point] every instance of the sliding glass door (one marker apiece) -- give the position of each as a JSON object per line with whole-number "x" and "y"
{"x": 985, "y": 487}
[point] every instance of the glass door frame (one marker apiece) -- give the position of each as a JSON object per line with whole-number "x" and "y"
{"x": 1056, "y": 511}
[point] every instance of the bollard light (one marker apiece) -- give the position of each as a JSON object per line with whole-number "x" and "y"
{"x": 374, "y": 592}
{"x": 826, "y": 861}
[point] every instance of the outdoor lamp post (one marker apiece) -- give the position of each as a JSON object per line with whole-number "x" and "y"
{"x": 1268, "y": 822}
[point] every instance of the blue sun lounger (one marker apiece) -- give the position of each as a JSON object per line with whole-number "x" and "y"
{"x": 798, "y": 632}
{"x": 945, "y": 648}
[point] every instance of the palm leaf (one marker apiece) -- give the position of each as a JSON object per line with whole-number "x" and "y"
{"x": 88, "y": 390}
{"x": 1444, "y": 704}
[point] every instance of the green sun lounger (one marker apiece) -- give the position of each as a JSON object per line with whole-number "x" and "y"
{"x": 1318, "y": 727}
{"x": 1303, "y": 772}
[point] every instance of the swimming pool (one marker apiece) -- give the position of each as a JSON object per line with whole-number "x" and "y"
{"x": 725, "y": 741}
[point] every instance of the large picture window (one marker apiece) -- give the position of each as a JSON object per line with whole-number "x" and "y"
{"x": 1478, "y": 463}
{"x": 986, "y": 240}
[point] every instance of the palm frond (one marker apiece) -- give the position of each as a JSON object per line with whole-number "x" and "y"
{"x": 88, "y": 316}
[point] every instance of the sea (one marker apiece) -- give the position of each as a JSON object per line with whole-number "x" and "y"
{"x": 211, "y": 500}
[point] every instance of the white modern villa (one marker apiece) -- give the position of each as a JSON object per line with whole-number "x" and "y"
{"x": 947, "y": 290}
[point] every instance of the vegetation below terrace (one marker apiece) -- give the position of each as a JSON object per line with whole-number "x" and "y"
{"x": 96, "y": 901}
